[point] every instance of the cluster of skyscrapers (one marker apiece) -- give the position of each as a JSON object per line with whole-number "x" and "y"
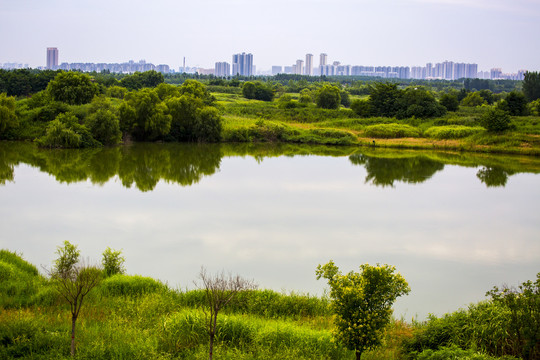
{"x": 242, "y": 64}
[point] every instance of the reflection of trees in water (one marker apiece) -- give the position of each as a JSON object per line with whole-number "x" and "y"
{"x": 142, "y": 165}
{"x": 385, "y": 171}
{"x": 493, "y": 176}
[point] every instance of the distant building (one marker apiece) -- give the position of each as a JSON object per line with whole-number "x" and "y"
{"x": 323, "y": 60}
{"x": 277, "y": 70}
{"x": 299, "y": 70}
{"x": 202, "y": 71}
{"x": 496, "y": 73}
{"x": 162, "y": 68}
{"x": 289, "y": 69}
{"x": 52, "y": 58}
{"x": 222, "y": 69}
{"x": 242, "y": 64}
{"x": 309, "y": 64}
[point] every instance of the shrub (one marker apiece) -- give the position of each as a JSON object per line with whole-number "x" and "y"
{"x": 105, "y": 127}
{"x": 515, "y": 103}
{"x": 452, "y": 131}
{"x": 8, "y": 119}
{"x": 134, "y": 285}
{"x": 450, "y": 102}
{"x": 113, "y": 262}
{"x": 258, "y": 91}
{"x": 473, "y": 99}
{"x": 362, "y": 108}
{"x": 208, "y": 126}
{"x": 496, "y": 120}
{"x": 389, "y": 131}
{"x": 328, "y": 97}
{"x": 66, "y": 132}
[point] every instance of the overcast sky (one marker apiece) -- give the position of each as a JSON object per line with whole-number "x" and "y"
{"x": 491, "y": 33}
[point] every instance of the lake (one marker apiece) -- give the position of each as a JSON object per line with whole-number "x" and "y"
{"x": 453, "y": 224}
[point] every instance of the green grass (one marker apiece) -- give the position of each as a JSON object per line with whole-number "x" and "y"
{"x": 452, "y": 131}
{"x": 391, "y": 131}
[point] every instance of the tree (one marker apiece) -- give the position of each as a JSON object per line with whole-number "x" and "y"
{"x": 362, "y": 303}
{"x": 103, "y": 122}
{"x": 143, "y": 115}
{"x": 473, "y": 99}
{"x": 328, "y": 97}
{"x": 73, "y": 280}
{"x": 8, "y": 118}
{"x": 258, "y": 91}
{"x": 496, "y": 120}
{"x": 66, "y": 132}
{"x": 531, "y": 85}
{"x": 450, "y": 102}
{"x": 362, "y": 108}
{"x": 383, "y": 98}
{"x": 515, "y": 103}
{"x": 113, "y": 262}
{"x": 418, "y": 102}
{"x": 220, "y": 289}
{"x": 208, "y": 126}
{"x": 524, "y": 321}
{"x": 72, "y": 88}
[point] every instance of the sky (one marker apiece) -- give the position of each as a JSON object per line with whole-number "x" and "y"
{"x": 491, "y": 33}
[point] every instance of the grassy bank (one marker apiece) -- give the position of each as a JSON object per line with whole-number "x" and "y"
{"x": 136, "y": 317}
{"x": 259, "y": 121}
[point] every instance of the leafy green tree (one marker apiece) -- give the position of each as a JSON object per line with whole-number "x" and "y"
{"x": 487, "y": 95}
{"x": 258, "y": 91}
{"x": 73, "y": 280}
{"x": 8, "y": 118}
{"x": 103, "y": 122}
{"x": 450, "y": 102}
{"x": 208, "y": 126}
{"x": 515, "y": 103}
{"x": 143, "y": 115}
{"x": 345, "y": 98}
{"x": 197, "y": 90}
{"x": 496, "y": 120}
{"x": 362, "y": 303}
{"x": 531, "y": 85}
{"x": 473, "y": 99}
{"x": 534, "y": 107}
{"x": 524, "y": 305}
{"x": 117, "y": 92}
{"x": 113, "y": 262}
{"x": 362, "y": 108}
{"x": 183, "y": 111}
{"x": 418, "y": 102}
{"x": 384, "y": 98}
{"x": 139, "y": 80}
{"x": 328, "y": 97}
{"x": 72, "y": 88}
{"x": 66, "y": 132}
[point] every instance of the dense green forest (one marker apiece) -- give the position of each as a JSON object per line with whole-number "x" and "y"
{"x": 59, "y": 109}
{"x": 130, "y": 316}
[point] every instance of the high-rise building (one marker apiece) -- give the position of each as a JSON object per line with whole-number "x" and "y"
{"x": 309, "y": 64}
{"x": 222, "y": 69}
{"x": 277, "y": 70}
{"x": 52, "y": 58}
{"x": 323, "y": 60}
{"x": 242, "y": 64}
{"x": 299, "y": 67}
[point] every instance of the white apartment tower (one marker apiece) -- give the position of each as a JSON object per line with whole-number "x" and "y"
{"x": 242, "y": 64}
{"x": 299, "y": 67}
{"x": 309, "y": 64}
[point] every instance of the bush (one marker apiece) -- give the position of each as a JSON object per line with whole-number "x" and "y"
{"x": 258, "y": 91}
{"x": 452, "y": 131}
{"x": 113, "y": 262}
{"x": 454, "y": 352}
{"x": 473, "y": 99}
{"x": 66, "y": 132}
{"x": 514, "y": 103}
{"x": 208, "y": 126}
{"x": 390, "y": 131}
{"x": 8, "y": 119}
{"x": 496, "y": 120}
{"x": 328, "y": 97}
{"x": 133, "y": 285}
{"x": 105, "y": 127}
{"x": 362, "y": 108}
{"x": 450, "y": 102}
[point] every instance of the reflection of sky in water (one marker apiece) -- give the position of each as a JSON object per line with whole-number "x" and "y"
{"x": 451, "y": 237}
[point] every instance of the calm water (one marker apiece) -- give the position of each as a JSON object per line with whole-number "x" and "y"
{"x": 453, "y": 225}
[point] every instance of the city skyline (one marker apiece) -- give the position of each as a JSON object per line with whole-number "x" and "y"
{"x": 494, "y": 33}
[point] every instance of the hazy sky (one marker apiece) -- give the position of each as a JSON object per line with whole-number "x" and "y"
{"x": 491, "y": 33}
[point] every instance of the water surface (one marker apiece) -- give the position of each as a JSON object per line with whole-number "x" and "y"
{"x": 454, "y": 225}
